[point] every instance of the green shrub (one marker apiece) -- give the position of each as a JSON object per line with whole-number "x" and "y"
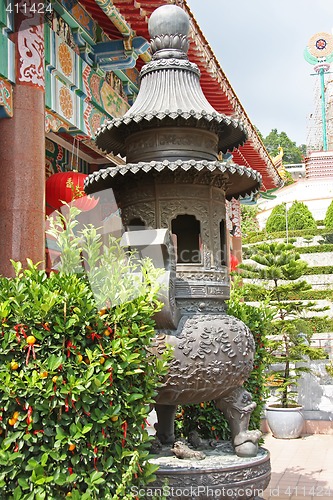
{"x": 277, "y": 219}
{"x": 319, "y": 270}
{"x": 328, "y": 221}
{"x": 300, "y": 217}
{"x": 76, "y": 381}
{"x": 316, "y": 249}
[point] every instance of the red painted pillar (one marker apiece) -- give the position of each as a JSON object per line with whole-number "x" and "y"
{"x": 22, "y": 151}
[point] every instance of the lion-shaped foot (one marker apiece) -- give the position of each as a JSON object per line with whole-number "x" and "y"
{"x": 246, "y": 443}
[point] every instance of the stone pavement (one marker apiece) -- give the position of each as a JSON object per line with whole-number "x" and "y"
{"x": 302, "y": 468}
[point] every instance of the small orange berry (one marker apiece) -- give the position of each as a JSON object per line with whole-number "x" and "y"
{"x": 71, "y": 447}
{"x": 31, "y": 340}
{"x": 102, "y": 360}
{"x": 14, "y": 365}
{"x": 16, "y": 415}
{"x": 79, "y": 358}
{"x": 114, "y": 418}
{"x": 43, "y": 374}
{"x": 86, "y": 360}
{"x": 12, "y": 421}
{"x": 107, "y": 332}
{"x": 54, "y": 379}
{"x": 101, "y": 312}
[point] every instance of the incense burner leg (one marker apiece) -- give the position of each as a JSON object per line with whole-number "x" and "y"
{"x": 237, "y": 408}
{"x": 165, "y": 423}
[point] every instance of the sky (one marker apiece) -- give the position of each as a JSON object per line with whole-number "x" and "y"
{"x": 260, "y": 45}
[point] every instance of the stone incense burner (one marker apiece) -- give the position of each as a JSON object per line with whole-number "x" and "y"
{"x": 174, "y": 187}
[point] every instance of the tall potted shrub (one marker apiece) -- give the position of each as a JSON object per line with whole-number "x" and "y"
{"x": 277, "y": 268}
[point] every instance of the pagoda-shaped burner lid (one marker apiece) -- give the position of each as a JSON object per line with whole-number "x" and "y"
{"x": 170, "y": 96}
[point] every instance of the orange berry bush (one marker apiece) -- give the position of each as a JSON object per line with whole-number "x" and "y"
{"x": 74, "y": 401}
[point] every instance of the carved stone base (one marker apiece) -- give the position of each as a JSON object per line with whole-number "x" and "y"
{"x": 221, "y": 475}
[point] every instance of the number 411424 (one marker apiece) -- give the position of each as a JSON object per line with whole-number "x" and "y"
{"x": 27, "y": 8}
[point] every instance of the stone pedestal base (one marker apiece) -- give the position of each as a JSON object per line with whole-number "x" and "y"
{"x": 221, "y": 475}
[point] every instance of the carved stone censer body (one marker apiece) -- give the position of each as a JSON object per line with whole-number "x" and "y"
{"x": 172, "y": 138}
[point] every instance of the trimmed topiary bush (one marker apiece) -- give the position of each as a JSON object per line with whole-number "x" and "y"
{"x": 328, "y": 221}
{"x": 277, "y": 219}
{"x": 300, "y": 217}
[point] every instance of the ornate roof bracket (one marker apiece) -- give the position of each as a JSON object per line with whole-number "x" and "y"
{"x": 114, "y": 54}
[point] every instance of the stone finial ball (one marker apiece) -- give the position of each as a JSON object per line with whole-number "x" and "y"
{"x": 168, "y": 20}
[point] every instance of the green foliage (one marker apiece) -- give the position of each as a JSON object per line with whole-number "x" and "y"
{"x": 205, "y": 417}
{"x": 249, "y": 221}
{"x": 328, "y": 221}
{"x": 327, "y": 239}
{"x": 76, "y": 381}
{"x": 278, "y": 266}
{"x": 291, "y": 152}
{"x": 277, "y": 219}
{"x": 326, "y": 247}
{"x": 319, "y": 270}
{"x": 263, "y": 235}
{"x": 300, "y": 217}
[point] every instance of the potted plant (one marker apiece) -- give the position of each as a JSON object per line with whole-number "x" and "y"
{"x": 277, "y": 269}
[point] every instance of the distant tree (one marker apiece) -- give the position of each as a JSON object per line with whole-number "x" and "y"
{"x": 291, "y": 152}
{"x": 300, "y": 217}
{"x": 328, "y": 221}
{"x": 277, "y": 219}
{"x": 249, "y": 222}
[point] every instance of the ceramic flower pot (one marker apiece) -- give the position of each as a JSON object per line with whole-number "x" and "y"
{"x": 285, "y": 423}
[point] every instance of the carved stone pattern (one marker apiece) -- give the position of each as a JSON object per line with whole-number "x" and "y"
{"x": 220, "y": 277}
{"x": 236, "y": 217}
{"x": 144, "y": 211}
{"x": 194, "y": 306}
{"x": 197, "y": 289}
{"x": 250, "y": 476}
{"x": 217, "y": 216}
{"x": 175, "y": 191}
{"x": 203, "y": 177}
{"x": 167, "y": 41}
{"x": 143, "y": 192}
{"x": 170, "y": 209}
{"x": 206, "y": 356}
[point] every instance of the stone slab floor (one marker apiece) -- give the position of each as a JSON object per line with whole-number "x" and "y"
{"x": 302, "y": 468}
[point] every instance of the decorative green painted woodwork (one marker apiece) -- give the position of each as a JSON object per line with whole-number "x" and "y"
{"x": 116, "y": 18}
{"x": 7, "y": 62}
{"x": 74, "y": 91}
{"x": 59, "y": 159}
{"x": 6, "y": 99}
{"x": 78, "y": 18}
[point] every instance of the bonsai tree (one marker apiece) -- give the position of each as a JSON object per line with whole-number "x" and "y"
{"x": 277, "y": 269}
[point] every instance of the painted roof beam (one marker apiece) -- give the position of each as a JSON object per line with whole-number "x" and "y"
{"x": 114, "y": 55}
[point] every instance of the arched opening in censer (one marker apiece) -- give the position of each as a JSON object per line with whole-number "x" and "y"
{"x": 136, "y": 224}
{"x": 186, "y": 228}
{"x": 223, "y": 243}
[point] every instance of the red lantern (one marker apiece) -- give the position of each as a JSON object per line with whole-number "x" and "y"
{"x": 233, "y": 262}
{"x": 68, "y": 187}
